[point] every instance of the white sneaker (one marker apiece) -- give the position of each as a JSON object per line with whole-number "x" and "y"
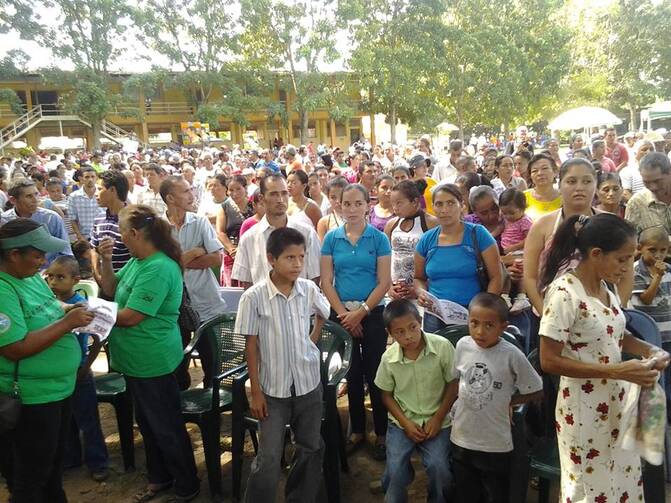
{"x": 506, "y": 297}
{"x": 520, "y": 303}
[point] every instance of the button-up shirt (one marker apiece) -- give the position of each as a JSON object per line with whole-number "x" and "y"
{"x": 52, "y": 221}
{"x": 251, "y": 264}
{"x": 418, "y": 385}
{"x": 645, "y": 210}
{"x": 83, "y": 210}
{"x": 282, "y": 323}
{"x": 202, "y": 285}
{"x": 154, "y": 200}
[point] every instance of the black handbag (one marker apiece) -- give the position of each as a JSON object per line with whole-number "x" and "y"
{"x": 188, "y": 319}
{"x": 10, "y": 405}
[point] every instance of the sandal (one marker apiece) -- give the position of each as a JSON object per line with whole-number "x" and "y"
{"x": 149, "y": 493}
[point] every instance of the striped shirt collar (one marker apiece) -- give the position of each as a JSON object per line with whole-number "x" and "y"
{"x": 396, "y": 352}
{"x": 298, "y": 289}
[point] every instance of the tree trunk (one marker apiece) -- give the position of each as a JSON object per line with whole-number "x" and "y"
{"x": 96, "y": 126}
{"x": 304, "y": 127}
{"x": 392, "y": 124}
{"x": 633, "y": 124}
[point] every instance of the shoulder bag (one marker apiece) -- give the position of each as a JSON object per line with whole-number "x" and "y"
{"x": 10, "y": 403}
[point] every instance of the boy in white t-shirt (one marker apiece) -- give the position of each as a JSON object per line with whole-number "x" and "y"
{"x": 493, "y": 375}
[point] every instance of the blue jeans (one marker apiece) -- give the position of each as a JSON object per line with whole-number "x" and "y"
{"x": 85, "y": 419}
{"x": 399, "y": 473}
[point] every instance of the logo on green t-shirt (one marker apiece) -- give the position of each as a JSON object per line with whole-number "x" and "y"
{"x": 5, "y": 323}
{"x": 148, "y": 298}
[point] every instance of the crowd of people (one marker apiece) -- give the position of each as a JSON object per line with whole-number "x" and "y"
{"x": 371, "y": 238}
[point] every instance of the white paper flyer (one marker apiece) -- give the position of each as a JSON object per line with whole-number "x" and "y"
{"x": 449, "y": 312}
{"x": 105, "y": 318}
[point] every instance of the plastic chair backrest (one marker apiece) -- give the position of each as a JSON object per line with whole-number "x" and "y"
{"x": 334, "y": 340}
{"x": 642, "y": 326}
{"x": 87, "y": 288}
{"x": 228, "y": 347}
{"x": 453, "y": 333}
{"x": 550, "y": 390}
{"x": 512, "y": 340}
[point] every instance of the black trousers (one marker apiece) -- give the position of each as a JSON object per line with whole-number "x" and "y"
{"x": 477, "y": 472}
{"x": 166, "y": 441}
{"x": 31, "y": 455}
{"x": 366, "y": 355}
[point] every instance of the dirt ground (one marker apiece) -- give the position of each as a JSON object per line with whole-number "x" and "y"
{"x": 120, "y": 487}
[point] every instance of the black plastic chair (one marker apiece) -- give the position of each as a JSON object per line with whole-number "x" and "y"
{"x": 644, "y": 327}
{"x": 333, "y": 339}
{"x": 203, "y": 406}
{"x": 111, "y": 388}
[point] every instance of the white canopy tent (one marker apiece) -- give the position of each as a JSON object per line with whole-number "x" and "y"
{"x": 584, "y": 118}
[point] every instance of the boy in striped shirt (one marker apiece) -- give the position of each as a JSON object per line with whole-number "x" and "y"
{"x": 284, "y": 369}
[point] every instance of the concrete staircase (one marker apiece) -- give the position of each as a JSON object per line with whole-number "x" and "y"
{"x": 49, "y": 113}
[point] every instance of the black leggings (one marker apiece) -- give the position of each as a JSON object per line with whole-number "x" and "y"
{"x": 366, "y": 355}
{"x": 31, "y": 455}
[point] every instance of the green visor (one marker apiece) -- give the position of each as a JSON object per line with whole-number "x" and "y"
{"x": 38, "y": 238}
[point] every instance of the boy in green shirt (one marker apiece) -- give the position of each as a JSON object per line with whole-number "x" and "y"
{"x": 414, "y": 376}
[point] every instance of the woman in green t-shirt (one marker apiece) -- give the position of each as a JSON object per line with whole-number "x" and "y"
{"x": 146, "y": 346}
{"x": 35, "y": 334}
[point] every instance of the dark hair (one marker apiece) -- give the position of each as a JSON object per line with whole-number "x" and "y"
{"x": 16, "y": 188}
{"x": 567, "y": 165}
{"x": 605, "y": 176}
{"x": 69, "y": 262}
{"x": 500, "y": 158}
{"x": 605, "y": 231}
{"x": 256, "y": 197}
{"x": 237, "y": 179}
{"x": 456, "y": 145}
{"x": 540, "y": 157}
{"x": 409, "y": 190}
{"x": 221, "y": 178}
{"x": 338, "y": 182}
{"x": 397, "y": 308}
{"x": 492, "y": 302}
{"x": 356, "y": 186}
{"x": 655, "y": 233}
{"x": 281, "y": 238}
{"x": 523, "y": 153}
{"x": 513, "y": 196}
{"x": 116, "y": 179}
{"x": 382, "y": 178}
{"x": 598, "y": 143}
{"x": 86, "y": 169}
{"x": 14, "y": 228}
{"x": 470, "y": 180}
{"x": 152, "y": 166}
{"x": 156, "y": 229}
{"x": 38, "y": 177}
{"x": 448, "y": 188}
{"x": 263, "y": 183}
{"x": 54, "y": 181}
{"x": 363, "y": 166}
{"x": 405, "y": 170}
{"x": 168, "y": 185}
{"x": 655, "y": 160}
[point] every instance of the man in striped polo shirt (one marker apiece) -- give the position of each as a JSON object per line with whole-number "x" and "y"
{"x": 112, "y": 194}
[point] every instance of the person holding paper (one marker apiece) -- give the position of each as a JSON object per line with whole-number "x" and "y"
{"x": 146, "y": 346}
{"x": 446, "y": 257}
{"x": 62, "y": 276}
{"x": 35, "y": 333}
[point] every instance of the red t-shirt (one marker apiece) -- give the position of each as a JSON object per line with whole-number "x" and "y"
{"x": 618, "y": 154}
{"x": 607, "y": 165}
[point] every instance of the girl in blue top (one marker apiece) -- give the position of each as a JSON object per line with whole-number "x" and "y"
{"x": 355, "y": 275}
{"x": 445, "y": 259}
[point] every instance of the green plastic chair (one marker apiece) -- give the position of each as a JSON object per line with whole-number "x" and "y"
{"x": 203, "y": 406}
{"x": 111, "y": 388}
{"x": 333, "y": 340}
{"x": 87, "y": 287}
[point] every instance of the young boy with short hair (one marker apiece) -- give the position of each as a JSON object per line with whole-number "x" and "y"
{"x": 284, "y": 369}
{"x": 652, "y": 286}
{"x": 493, "y": 375}
{"x": 414, "y": 377}
{"x": 62, "y": 276}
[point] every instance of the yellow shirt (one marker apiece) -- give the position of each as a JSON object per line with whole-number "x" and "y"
{"x": 536, "y": 209}
{"x": 430, "y": 184}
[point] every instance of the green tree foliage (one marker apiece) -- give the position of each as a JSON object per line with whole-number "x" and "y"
{"x": 295, "y": 38}
{"x": 638, "y": 49}
{"x": 394, "y": 54}
{"x": 194, "y": 36}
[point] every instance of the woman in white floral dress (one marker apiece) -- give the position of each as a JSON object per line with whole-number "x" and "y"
{"x": 583, "y": 337}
